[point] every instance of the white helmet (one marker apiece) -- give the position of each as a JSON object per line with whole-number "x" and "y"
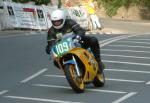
{"x": 58, "y": 18}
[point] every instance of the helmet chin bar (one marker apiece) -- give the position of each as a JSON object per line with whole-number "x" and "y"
{"x": 60, "y": 26}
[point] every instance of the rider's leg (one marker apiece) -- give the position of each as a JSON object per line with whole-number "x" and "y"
{"x": 95, "y": 47}
{"x": 92, "y": 42}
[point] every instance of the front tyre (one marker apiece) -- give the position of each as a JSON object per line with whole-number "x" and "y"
{"x": 99, "y": 80}
{"x": 74, "y": 81}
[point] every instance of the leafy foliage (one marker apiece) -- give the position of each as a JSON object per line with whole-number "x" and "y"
{"x": 37, "y": 2}
{"x": 21, "y": 1}
{"x": 147, "y": 4}
{"x": 111, "y": 6}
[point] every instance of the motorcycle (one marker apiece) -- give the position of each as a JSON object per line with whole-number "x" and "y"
{"x": 78, "y": 64}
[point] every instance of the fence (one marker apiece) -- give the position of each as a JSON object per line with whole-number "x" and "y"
{"x": 27, "y": 16}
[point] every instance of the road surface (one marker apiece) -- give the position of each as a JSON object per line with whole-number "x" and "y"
{"x": 27, "y": 75}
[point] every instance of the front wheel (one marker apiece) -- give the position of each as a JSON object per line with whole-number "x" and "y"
{"x": 99, "y": 80}
{"x": 75, "y": 82}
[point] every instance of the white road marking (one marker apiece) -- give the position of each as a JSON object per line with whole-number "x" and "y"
{"x": 34, "y": 75}
{"x": 40, "y": 99}
{"x": 131, "y": 71}
{"x": 125, "y": 97}
{"x": 133, "y": 42}
{"x": 145, "y": 36}
{"x": 114, "y": 39}
{"x": 124, "y": 80}
{"x": 137, "y": 57}
{"x": 139, "y": 39}
{"x": 129, "y": 46}
{"x": 125, "y": 50}
{"x": 110, "y": 79}
{"x": 56, "y": 76}
{"x": 106, "y": 40}
{"x": 3, "y": 92}
{"x": 67, "y": 87}
{"x": 148, "y": 83}
{"x": 132, "y": 63}
{"x": 111, "y": 40}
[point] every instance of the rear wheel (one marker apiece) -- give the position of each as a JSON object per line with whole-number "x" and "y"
{"x": 99, "y": 80}
{"x": 75, "y": 81}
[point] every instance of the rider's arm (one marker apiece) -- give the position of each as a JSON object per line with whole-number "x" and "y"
{"x": 51, "y": 37}
{"x": 77, "y": 29}
{"x": 50, "y": 40}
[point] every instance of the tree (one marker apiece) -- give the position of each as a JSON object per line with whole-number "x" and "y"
{"x": 59, "y": 3}
{"x": 111, "y": 6}
{"x": 37, "y": 2}
{"x": 40, "y": 2}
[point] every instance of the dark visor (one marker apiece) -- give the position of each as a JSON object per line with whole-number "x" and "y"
{"x": 57, "y": 22}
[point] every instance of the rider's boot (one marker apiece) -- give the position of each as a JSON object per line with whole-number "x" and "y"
{"x": 100, "y": 63}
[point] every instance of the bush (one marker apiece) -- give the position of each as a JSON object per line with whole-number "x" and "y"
{"x": 21, "y": 1}
{"x": 112, "y": 6}
{"x": 37, "y": 2}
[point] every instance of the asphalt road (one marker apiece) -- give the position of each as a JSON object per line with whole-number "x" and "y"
{"x": 27, "y": 75}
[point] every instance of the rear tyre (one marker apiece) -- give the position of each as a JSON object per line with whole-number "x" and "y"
{"x": 99, "y": 80}
{"x": 74, "y": 81}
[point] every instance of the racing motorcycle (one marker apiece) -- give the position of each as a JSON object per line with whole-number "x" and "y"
{"x": 78, "y": 64}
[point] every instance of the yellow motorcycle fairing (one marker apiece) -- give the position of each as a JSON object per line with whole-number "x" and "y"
{"x": 90, "y": 63}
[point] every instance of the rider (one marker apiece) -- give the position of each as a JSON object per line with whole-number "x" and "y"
{"x": 61, "y": 25}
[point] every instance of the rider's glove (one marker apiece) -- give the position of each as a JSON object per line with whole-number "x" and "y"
{"x": 48, "y": 49}
{"x": 78, "y": 37}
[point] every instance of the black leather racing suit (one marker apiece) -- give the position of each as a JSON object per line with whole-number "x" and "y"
{"x": 71, "y": 26}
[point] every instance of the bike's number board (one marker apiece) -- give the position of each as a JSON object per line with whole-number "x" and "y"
{"x": 62, "y": 47}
